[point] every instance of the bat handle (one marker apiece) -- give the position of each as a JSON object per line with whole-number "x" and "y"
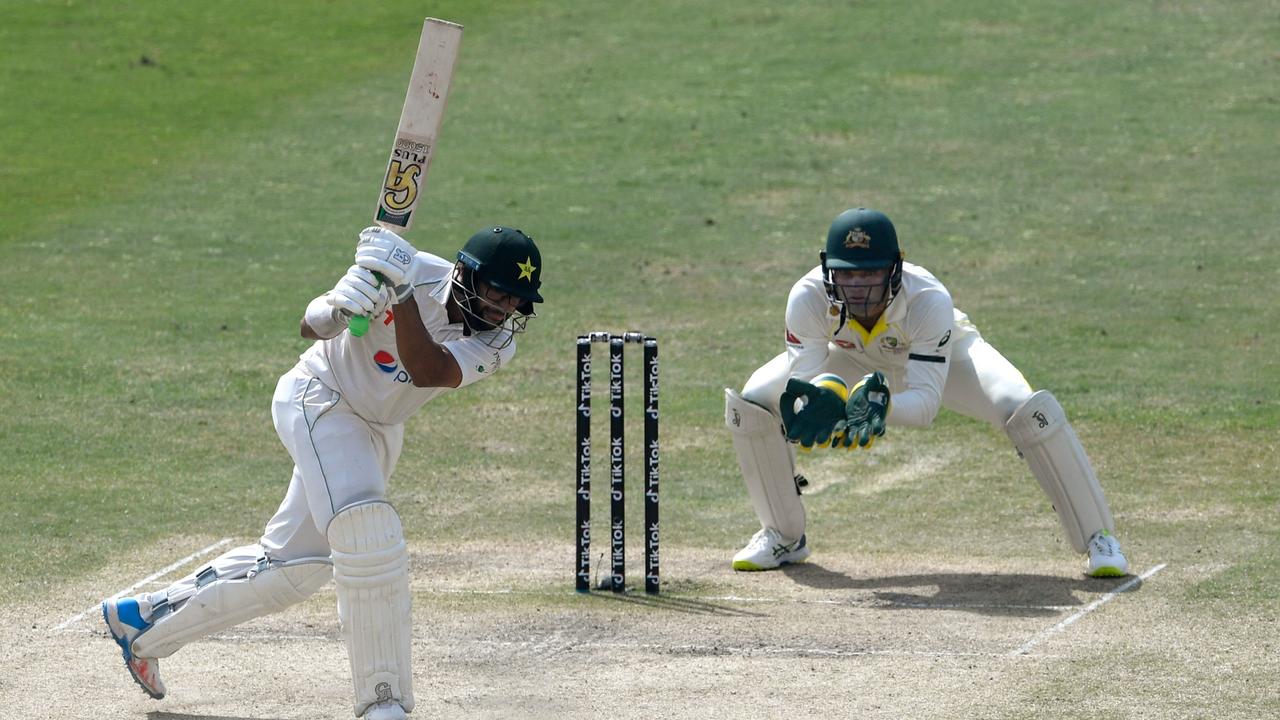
{"x": 359, "y": 324}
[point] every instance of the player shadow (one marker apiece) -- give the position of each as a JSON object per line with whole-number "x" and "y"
{"x": 1015, "y": 595}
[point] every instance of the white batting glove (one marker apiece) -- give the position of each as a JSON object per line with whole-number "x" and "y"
{"x": 385, "y": 253}
{"x": 359, "y": 293}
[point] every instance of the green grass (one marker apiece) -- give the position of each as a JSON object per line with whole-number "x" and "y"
{"x": 1094, "y": 182}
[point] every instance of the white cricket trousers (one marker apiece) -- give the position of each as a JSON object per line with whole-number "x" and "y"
{"x": 980, "y": 384}
{"x": 339, "y": 458}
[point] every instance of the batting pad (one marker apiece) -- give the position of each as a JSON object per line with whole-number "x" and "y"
{"x": 768, "y": 466}
{"x": 228, "y": 601}
{"x": 1043, "y": 437}
{"x": 371, "y": 569}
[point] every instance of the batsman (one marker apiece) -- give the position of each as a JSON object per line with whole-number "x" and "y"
{"x": 873, "y": 343}
{"x": 435, "y": 326}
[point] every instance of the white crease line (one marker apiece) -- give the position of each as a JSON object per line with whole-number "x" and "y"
{"x": 1046, "y": 634}
{"x": 960, "y": 606}
{"x": 270, "y": 637}
{"x": 552, "y": 644}
{"x": 468, "y": 591}
{"x": 746, "y": 651}
{"x": 263, "y": 637}
{"x": 796, "y": 601}
{"x": 158, "y": 574}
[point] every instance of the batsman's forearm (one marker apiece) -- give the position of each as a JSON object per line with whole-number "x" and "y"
{"x": 320, "y": 322}
{"x": 428, "y": 362}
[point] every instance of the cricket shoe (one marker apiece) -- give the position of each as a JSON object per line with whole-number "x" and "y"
{"x": 124, "y": 621}
{"x": 1105, "y": 558}
{"x": 767, "y": 551}
{"x": 386, "y": 710}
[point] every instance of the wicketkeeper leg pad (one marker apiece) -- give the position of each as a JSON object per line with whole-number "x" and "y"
{"x": 1043, "y": 437}
{"x": 768, "y": 465}
{"x": 223, "y": 602}
{"x": 371, "y": 570}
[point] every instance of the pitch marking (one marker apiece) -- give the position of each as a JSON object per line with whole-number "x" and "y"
{"x": 775, "y": 650}
{"x": 158, "y": 574}
{"x": 1046, "y": 634}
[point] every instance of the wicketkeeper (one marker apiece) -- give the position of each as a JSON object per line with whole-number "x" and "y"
{"x": 435, "y": 326}
{"x": 889, "y": 328}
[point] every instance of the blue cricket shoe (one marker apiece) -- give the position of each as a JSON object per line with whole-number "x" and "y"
{"x": 124, "y": 621}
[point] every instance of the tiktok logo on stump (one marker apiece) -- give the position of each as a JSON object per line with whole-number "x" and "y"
{"x": 386, "y": 362}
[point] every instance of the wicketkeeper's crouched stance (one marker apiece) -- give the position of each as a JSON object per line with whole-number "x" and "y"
{"x": 435, "y": 326}
{"x": 865, "y": 315}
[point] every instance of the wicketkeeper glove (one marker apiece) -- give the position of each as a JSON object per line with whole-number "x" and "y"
{"x": 865, "y": 412}
{"x": 822, "y": 415}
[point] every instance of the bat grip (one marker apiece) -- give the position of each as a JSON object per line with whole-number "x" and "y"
{"x": 359, "y": 324}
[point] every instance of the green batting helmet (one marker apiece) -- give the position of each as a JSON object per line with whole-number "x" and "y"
{"x": 861, "y": 239}
{"x": 507, "y": 259}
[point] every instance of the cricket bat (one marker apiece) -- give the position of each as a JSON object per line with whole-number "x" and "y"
{"x": 415, "y": 142}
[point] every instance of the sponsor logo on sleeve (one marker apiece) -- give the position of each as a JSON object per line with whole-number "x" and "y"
{"x": 792, "y": 340}
{"x": 944, "y": 339}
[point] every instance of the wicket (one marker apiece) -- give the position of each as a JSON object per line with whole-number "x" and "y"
{"x": 617, "y": 473}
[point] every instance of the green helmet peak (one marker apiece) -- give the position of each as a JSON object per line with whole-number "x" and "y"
{"x": 861, "y": 239}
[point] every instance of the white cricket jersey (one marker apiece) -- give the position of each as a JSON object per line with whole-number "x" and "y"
{"x": 367, "y": 370}
{"x": 911, "y": 343}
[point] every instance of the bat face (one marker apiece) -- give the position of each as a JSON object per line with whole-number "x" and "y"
{"x": 420, "y": 122}
{"x": 401, "y": 187}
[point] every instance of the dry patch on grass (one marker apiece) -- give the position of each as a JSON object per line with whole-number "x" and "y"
{"x": 1169, "y": 515}
{"x": 869, "y": 473}
{"x": 838, "y": 140}
{"x": 916, "y": 81}
{"x": 774, "y": 202}
{"x": 986, "y": 28}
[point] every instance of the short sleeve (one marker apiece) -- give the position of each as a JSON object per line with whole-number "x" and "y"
{"x": 476, "y": 359}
